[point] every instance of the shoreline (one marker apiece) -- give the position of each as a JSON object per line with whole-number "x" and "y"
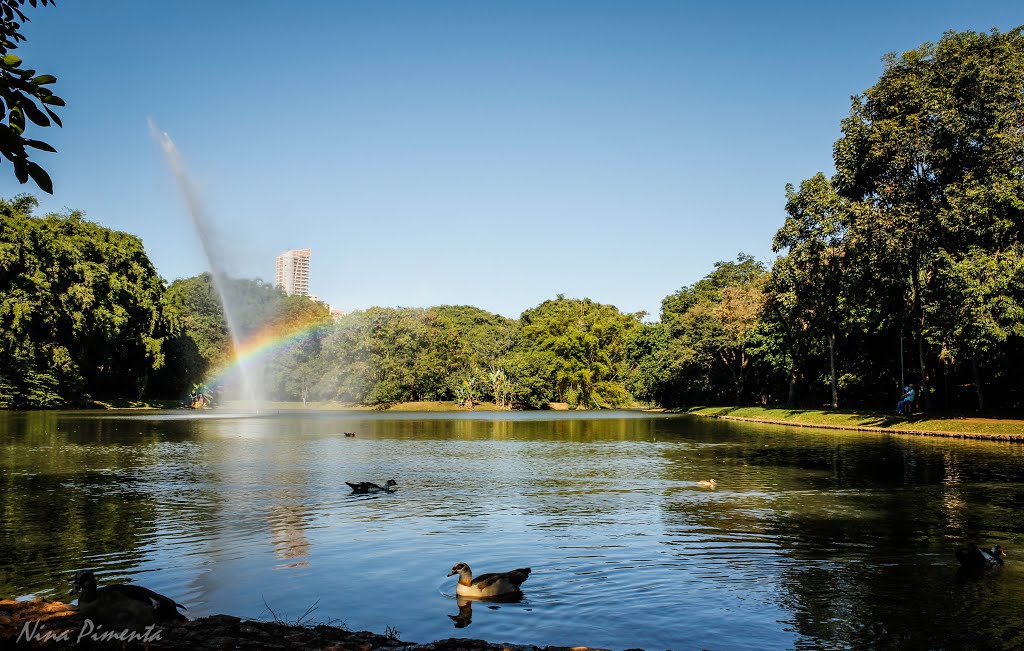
{"x": 421, "y": 405}
{"x": 56, "y": 625}
{"x": 939, "y": 425}
{"x": 962, "y": 427}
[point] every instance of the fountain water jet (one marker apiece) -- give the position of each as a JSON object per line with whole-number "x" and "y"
{"x": 214, "y": 256}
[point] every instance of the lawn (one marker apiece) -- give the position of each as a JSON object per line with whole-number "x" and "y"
{"x": 944, "y": 425}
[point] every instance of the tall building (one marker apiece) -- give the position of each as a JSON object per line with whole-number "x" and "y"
{"x": 293, "y": 272}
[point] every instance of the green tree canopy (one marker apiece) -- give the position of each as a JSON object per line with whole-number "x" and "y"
{"x": 80, "y": 308}
{"x": 712, "y": 322}
{"x": 588, "y": 343}
{"x": 932, "y": 155}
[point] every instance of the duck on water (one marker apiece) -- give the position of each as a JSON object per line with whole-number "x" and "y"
{"x": 364, "y": 487}
{"x": 492, "y": 584}
{"x": 978, "y": 558}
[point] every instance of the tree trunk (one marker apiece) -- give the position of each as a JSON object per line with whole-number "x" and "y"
{"x": 832, "y": 368}
{"x": 926, "y": 399}
{"x": 740, "y": 372}
{"x": 141, "y": 381}
{"x": 735, "y": 366}
{"x": 794, "y": 376}
{"x": 977, "y": 384}
{"x": 919, "y": 309}
{"x": 945, "y": 385}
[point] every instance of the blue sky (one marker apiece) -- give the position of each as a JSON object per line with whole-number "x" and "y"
{"x": 482, "y": 153}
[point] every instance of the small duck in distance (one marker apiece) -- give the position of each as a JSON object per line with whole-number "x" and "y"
{"x": 707, "y": 483}
{"x": 350, "y": 434}
{"x": 125, "y": 606}
{"x": 977, "y": 558}
{"x": 364, "y": 487}
{"x": 488, "y": 585}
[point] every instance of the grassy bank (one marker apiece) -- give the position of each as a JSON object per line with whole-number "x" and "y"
{"x": 938, "y": 425}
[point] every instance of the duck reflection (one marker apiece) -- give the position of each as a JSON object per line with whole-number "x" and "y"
{"x": 465, "y": 615}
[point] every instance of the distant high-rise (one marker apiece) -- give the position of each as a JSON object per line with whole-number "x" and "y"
{"x": 293, "y": 272}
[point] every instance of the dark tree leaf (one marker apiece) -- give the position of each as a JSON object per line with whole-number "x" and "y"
{"x": 34, "y": 114}
{"x": 38, "y": 144}
{"x": 40, "y": 176}
{"x": 53, "y": 116}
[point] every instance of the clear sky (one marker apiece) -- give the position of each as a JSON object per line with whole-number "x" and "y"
{"x": 485, "y": 153}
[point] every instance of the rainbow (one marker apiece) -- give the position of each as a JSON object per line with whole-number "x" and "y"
{"x": 260, "y": 345}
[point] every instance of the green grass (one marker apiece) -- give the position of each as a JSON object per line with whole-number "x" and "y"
{"x": 949, "y": 425}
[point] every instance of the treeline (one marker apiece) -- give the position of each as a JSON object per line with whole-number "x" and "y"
{"x": 904, "y": 266}
{"x": 83, "y": 314}
{"x": 916, "y": 239}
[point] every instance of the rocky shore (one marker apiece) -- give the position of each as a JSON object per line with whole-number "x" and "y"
{"x": 55, "y": 625}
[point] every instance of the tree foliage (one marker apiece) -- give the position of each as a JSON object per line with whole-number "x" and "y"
{"x": 25, "y": 97}
{"x": 587, "y": 343}
{"x": 80, "y": 309}
{"x": 711, "y": 326}
{"x": 933, "y": 157}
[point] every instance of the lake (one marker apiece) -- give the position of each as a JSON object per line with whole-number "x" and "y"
{"x": 812, "y": 539}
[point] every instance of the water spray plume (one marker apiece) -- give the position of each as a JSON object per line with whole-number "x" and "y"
{"x": 214, "y": 257}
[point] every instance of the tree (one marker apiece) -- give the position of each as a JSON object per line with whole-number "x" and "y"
{"x": 292, "y": 372}
{"x": 982, "y": 305}
{"x": 383, "y": 355}
{"x": 80, "y": 308}
{"x": 199, "y": 333}
{"x": 813, "y": 276}
{"x": 712, "y": 321}
{"x": 529, "y": 377}
{"x": 24, "y": 97}
{"x": 587, "y": 341}
{"x": 932, "y": 154}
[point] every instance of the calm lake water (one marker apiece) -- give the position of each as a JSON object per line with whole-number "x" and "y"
{"x": 813, "y": 539}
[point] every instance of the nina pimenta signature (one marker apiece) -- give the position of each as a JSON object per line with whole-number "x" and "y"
{"x": 33, "y": 631}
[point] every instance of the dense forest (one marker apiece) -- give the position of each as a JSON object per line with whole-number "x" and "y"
{"x": 906, "y": 265}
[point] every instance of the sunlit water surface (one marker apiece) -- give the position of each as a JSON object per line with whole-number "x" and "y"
{"x": 813, "y": 539}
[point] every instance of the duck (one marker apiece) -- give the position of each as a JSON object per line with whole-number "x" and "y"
{"x": 364, "y": 487}
{"x": 350, "y": 434}
{"x": 124, "y": 606}
{"x": 977, "y": 558}
{"x": 488, "y": 585}
{"x": 707, "y": 483}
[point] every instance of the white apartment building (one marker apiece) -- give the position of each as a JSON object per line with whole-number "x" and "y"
{"x": 293, "y": 272}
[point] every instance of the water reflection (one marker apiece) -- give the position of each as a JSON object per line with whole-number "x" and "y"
{"x": 809, "y": 539}
{"x": 464, "y": 617}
